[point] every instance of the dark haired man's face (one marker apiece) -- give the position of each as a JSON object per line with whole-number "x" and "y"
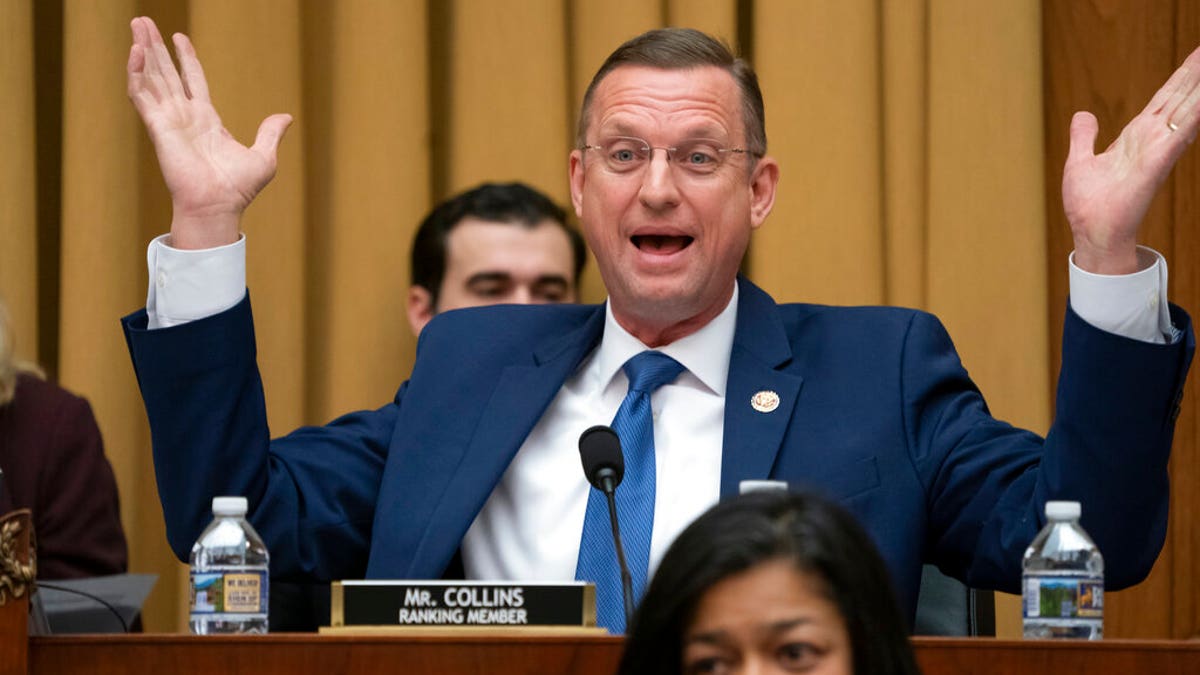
{"x": 491, "y": 263}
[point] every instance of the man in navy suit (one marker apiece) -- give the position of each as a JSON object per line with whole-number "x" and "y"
{"x": 476, "y": 453}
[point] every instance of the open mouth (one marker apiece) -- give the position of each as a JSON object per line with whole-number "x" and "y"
{"x": 661, "y": 244}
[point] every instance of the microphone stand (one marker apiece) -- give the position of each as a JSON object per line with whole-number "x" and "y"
{"x": 604, "y": 466}
{"x": 626, "y": 579}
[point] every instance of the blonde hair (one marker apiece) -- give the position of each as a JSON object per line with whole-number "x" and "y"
{"x": 9, "y": 366}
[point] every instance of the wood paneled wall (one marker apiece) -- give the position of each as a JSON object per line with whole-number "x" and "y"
{"x": 1109, "y": 57}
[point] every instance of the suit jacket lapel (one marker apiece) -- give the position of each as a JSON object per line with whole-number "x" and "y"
{"x": 521, "y": 395}
{"x": 760, "y": 350}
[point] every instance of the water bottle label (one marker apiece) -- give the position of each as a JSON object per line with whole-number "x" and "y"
{"x": 229, "y": 592}
{"x": 1063, "y": 597}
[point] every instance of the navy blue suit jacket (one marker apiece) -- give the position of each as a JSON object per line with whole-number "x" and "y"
{"x": 876, "y": 411}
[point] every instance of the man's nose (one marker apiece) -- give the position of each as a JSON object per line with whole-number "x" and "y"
{"x": 521, "y": 295}
{"x": 659, "y": 190}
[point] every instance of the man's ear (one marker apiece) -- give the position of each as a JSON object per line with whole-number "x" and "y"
{"x": 762, "y": 189}
{"x": 575, "y": 176}
{"x": 420, "y": 308}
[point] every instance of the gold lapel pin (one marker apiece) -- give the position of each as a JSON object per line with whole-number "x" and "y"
{"x": 765, "y": 401}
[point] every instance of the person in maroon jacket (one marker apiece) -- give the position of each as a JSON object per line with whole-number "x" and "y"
{"x": 53, "y": 462}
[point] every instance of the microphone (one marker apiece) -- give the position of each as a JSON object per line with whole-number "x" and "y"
{"x": 604, "y": 466}
{"x": 603, "y": 463}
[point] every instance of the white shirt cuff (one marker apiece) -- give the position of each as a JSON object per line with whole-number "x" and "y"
{"x": 186, "y": 285}
{"x": 1129, "y": 305}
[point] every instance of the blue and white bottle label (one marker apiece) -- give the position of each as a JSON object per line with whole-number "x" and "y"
{"x": 1063, "y": 597}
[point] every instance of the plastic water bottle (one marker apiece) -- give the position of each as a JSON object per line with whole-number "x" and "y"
{"x": 1063, "y": 579}
{"x": 229, "y": 581}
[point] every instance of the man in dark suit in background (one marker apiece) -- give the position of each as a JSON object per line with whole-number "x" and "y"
{"x": 475, "y": 455}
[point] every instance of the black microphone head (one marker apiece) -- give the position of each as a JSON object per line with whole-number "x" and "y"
{"x": 600, "y": 452}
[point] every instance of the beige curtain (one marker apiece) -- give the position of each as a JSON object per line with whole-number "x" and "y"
{"x": 18, "y": 203}
{"x": 908, "y": 131}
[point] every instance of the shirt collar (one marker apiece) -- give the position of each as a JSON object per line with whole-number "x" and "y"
{"x": 705, "y": 353}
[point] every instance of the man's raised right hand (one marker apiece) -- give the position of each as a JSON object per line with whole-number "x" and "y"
{"x": 212, "y": 178}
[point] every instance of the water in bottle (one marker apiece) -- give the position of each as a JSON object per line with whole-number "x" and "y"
{"x": 229, "y": 581}
{"x": 1063, "y": 579}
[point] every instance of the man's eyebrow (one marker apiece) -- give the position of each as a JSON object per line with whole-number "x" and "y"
{"x": 618, "y": 128}
{"x": 488, "y": 276}
{"x": 551, "y": 280}
{"x": 705, "y": 131}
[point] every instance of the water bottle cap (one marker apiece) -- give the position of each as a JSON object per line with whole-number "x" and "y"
{"x": 229, "y": 506}
{"x": 1063, "y": 510}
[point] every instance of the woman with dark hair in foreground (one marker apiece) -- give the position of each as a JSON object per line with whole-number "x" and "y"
{"x": 770, "y": 582}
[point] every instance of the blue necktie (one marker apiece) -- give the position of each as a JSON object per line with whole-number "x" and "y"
{"x": 634, "y": 425}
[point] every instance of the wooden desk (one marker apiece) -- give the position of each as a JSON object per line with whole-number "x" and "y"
{"x": 350, "y": 655}
{"x": 983, "y": 656}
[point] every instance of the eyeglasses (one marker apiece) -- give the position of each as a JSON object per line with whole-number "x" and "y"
{"x": 699, "y": 156}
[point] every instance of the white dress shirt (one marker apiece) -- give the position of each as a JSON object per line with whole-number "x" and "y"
{"x": 531, "y": 525}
